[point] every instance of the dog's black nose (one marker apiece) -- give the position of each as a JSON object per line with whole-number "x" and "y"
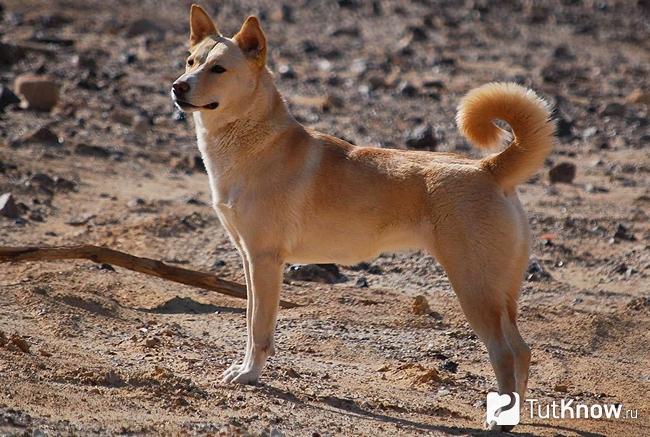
{"x": 180, "y": 88}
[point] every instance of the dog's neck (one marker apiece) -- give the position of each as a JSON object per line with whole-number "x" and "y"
{"x": 225, "y": 138}
{"x": 229, "y": 145}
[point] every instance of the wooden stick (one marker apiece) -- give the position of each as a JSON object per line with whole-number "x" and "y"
{"x": 143, "y": 265}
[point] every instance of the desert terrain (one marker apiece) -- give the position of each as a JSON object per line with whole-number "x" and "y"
{"x": 379, "y": 348}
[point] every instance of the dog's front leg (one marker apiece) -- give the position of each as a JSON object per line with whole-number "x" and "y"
{"x": 265, "y": 272}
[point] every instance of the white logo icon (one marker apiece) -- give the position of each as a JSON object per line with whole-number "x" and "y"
{"x": 501, "y": 409}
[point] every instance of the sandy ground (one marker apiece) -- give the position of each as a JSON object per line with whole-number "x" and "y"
{"x": 88, "y": 349}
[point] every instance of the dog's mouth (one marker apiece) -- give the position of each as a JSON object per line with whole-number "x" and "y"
{"x": 186, "y": 106}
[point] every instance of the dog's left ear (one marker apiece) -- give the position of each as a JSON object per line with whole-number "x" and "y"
{"x": 251, "y": 41}
{"x": 201, "y": 25}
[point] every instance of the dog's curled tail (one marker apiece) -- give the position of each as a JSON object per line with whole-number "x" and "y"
{"x": 529, "y": 118}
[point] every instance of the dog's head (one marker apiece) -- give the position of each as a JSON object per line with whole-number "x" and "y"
{"x": 220, "y": 73}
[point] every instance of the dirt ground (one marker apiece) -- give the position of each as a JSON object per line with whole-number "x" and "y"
{"x": 90, "y": 349}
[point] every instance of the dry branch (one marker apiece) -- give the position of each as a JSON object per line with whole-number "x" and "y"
{"x": 143, "y": 265}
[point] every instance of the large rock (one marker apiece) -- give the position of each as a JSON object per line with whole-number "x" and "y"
{"x": 37, "y": 92}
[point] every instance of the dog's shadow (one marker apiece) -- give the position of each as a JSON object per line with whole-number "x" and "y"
{"x": 351, "y": 408}
{"x": 187, "y": 305}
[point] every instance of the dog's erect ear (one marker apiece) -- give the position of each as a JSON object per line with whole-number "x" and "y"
{"x": 201, "y": 25}
{"x": 251, "y": 41}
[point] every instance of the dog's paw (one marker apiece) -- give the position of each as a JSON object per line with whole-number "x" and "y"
{"x": 240, "y": 374}
{"x": 492, "y": 426}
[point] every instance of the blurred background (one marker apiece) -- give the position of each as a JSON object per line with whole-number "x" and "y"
{"x": 93, "y": 151}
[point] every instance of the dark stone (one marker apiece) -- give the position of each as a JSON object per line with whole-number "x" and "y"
{"x": 563, "y": 172}
{"x": 8, "y": 207}
{"x": 450, "y": 366}
{"x": 325, "y": 273}
{"x": 536, "y": 272}
{"x": 564, "y": 128}
{"x": 623, "y": 233}
{"x": 362, "y": 282}
{"x": 90, "y": 150}
{"x": 144, "y": 26}
{"x": 613, "y": 109}
{"x": 407, "y": 89}
{"x": 10, "y": 54}
{"x": 421, "y": 137}
{"x": 43, "y": 136}
{"x": 7, "y": 97}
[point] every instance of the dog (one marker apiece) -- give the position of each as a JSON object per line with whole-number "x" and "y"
{"x": 286, "y": 193}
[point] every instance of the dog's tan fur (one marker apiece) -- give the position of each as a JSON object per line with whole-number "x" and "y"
{"x": 286, "y": 193}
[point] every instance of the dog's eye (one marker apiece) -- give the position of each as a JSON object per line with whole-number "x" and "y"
{"x": 217, "y": 69}
{"x": 190, "y": 62}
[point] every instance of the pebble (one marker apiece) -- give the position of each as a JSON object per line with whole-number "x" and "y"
{"x": 90, "y": 150}
{"x": 143, "y": 26}
{"x": 638, "y": 96}
{"x": 7, "y": 97}
{"x": 8, "y": 207}
{"x": 324, "y": 273}
{"x": 613, "y": 109}
{"x": 421, "y": 137}
{"x": 43, "y": 136}
{"x": 20, "y": 343}
{"x": 36, "y": 91}
{"x": 10, "y": 54}
{"x": 536, "y": 272}
{"x": 563, "y": 172}
{"x": 420, "y": 306}
{"x": 623, "y": 233}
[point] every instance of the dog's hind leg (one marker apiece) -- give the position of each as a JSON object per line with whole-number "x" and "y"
{"x": 485, "y": 268}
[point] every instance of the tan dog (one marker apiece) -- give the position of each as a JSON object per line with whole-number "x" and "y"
{"x": 285, "y": 193}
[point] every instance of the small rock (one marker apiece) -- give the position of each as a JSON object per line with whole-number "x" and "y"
{"x": 324, "y": 273}
{"x": 121, "y": 117}
{"x": 10, "y": 54}
{"x": 8, "y": 207}
{"x": 113, "y": 379}
{"x": 90, "y": 150}
{"x": 362, "y": 282}
{"x": 561, "y": 388}
{"x": 450, "y": 366}
{"x": 407, "y": 89}
{"x": 291, "y": 373}
{"x": 37, "y": 92}
{"x": 638, "y": 96}
{"x": 429, "y": 375}
{"x": 144, "y": 26}
{"x": 421, "y": 137}
{"x": 623, "y": 233}
{"x": 20, "y": 343}
{"x": 141, "y": 124}
{"x": 152, "y": 342}
{"x": 80, "y": 220}
{"x": 563, "y": 172}
{"x": 636, "y": 304}
{"x": 536, "y": 272}
{"x": 286, "y": 71}
{"x": 420, "y": 306}
{"x": 613, "y": 109}
{"x": 564, "y": 128}
{"x": 7, "y": 97}
{"x": 43, "y": 136}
